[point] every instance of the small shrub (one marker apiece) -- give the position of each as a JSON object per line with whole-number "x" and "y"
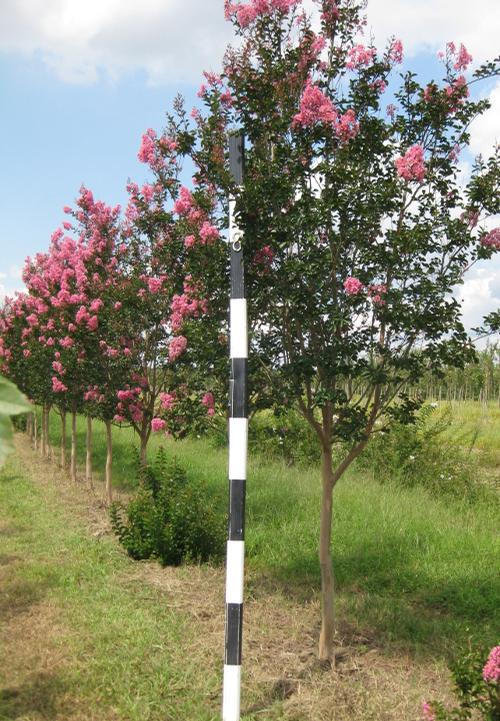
{"x": 476, "y": 677}
{"x": 169, "y": 518}
{"x": 420, "y": 454}
{"x": 285, "y": 435}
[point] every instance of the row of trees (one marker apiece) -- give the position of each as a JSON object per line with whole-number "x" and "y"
{"x": 357, "y": 227}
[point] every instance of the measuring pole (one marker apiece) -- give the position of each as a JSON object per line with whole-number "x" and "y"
{"x": 238, "y": 441}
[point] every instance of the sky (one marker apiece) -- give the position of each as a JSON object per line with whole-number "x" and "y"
{"x": 81, "y": 81}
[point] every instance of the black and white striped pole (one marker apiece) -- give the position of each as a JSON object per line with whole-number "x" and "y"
{"x": 238, "y": 441}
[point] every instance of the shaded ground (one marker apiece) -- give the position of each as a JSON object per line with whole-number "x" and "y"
{"x": 88, "y": 634}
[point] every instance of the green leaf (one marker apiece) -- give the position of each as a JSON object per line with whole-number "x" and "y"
{"x": 5, "y": 438}
{"x": 12, "y": 401}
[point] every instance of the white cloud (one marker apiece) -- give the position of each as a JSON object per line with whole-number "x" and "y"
{"x": 174, "y": 40}
{"x": 485, "y": 130}
{"x": 429, "y": 24}
{"x": 168, "y": 39}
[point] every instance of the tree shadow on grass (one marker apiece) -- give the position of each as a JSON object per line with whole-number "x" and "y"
{"x": 385, "y": 590}
{"x": 37, "y": 695}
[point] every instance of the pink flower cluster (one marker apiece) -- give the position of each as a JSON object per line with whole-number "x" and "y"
{"x": 411, "y": 165}
{"x": 462, "y": 58}
{"x": 158, "y": 424}
{"x": 246, "y": 13}
{"x": 187, "y": 305}
{"x": 177, "y": 347}
{"x": 167, "y": 400}
{"x": 376, "y": 293}
{"x": 58, "y": 386}
{"x": 427, "y": 712}
{"x": 353, "y": 286}
{"x": 492, "y": 239}
{"x": 316, "y": 107}
{"x": 264, "y": 258}
{"x": 491, "y": 670}
{"x": 208, "y": 401}
{"x": 396, "y": 51}
{"x": 360, "y": 56}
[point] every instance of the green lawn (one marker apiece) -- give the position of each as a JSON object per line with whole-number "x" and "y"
{"x": 94, "y": 636}
{"x": 419, "y": 570}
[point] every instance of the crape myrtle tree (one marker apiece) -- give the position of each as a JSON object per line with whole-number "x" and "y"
{"x": 357, "y": 222}
{"x": 172, "y": 287}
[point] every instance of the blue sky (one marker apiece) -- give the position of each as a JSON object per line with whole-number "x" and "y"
{"x": 80, "y": 82}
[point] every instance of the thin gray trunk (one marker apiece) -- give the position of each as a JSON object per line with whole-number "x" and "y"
{"x": 88, "y": 457}
{"x": 43, "y": 430}
{"x": 35, "y": 431}
{"x": 63, "y": 439}
{"x": 144, "y": 448}
{"x": 325, "y": 559}
{"x": 109, "y": 462}
{"x": 73, "y": 445}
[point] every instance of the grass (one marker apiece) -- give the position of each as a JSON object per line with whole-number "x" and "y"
{"x": 111, "y": 642}
{"x": 418, "y": 570}
{"x": 416, "y": 576}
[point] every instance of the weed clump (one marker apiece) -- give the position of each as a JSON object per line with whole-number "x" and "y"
{"x": 422, "y": 454}
{"x": 169, "y": 518}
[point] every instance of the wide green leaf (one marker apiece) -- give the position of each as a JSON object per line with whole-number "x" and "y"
{"x": 12, "y": 401}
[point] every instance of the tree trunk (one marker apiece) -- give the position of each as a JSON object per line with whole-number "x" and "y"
{"x": 109, "y": 461}
{"x": 29, "y": 425}
{"x": 325, "y": 559}
{"x": 144, "y": 448}
{"x": 63, "y": 439}
{"x": 43, "y": 431}
{"x": 48, "y": 449}
{"x": 88, "y": 457}
{"x": 73, "y": 445}
{"x": 35, "y": 431}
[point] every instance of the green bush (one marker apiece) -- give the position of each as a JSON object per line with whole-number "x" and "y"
{"x": 169, "y": 518}
{"x": 285, "y": 435}
{"x": 476, "y": 677}
{"x": 421, "y": 454}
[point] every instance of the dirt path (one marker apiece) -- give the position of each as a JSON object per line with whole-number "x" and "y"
{"x": 282, "y": 679}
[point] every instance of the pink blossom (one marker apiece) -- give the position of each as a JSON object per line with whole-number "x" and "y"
{"x": 189, "y": 241}
{"x": 26, "y": 352}
{"x": 491, "y": 670}
{"x": 82, "y": 315}
{"x": 492, "y": 239}
{"x": 347, "y": 126}
{"x": 376, "y": 293}
{"x": 96, "y": 305}
{"x": 58, "y": 386}
{"x": 184, "y": 202}
{"x": 117, "y": 305}
{"x": 177, "y": 347}
{"x": 58, "y": 367}
{"x": 208, "y": 233}
{"x": 66, "y": 225}
{"x": 208, "y": 400}
{"x": 147, "y": 150}
{"x": 118, "y": 418}
{"x": 411, "y": 166}
{"x": 93, "y": 322}
{"x": 154, "y": 284}
{"x": 353, "y": 286}
{"x": 66, "y": 342}
{"x": 463, "y": 58}
{"x": 315, "y": 107}
{"x": 396, "y": 51}
{"x": 428, "y": 712}
{"x": 264, "y": 257}
{"x": 167, "y": 400}
{"x": 158, "y": 424}
{"x": 360, "y": 56}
